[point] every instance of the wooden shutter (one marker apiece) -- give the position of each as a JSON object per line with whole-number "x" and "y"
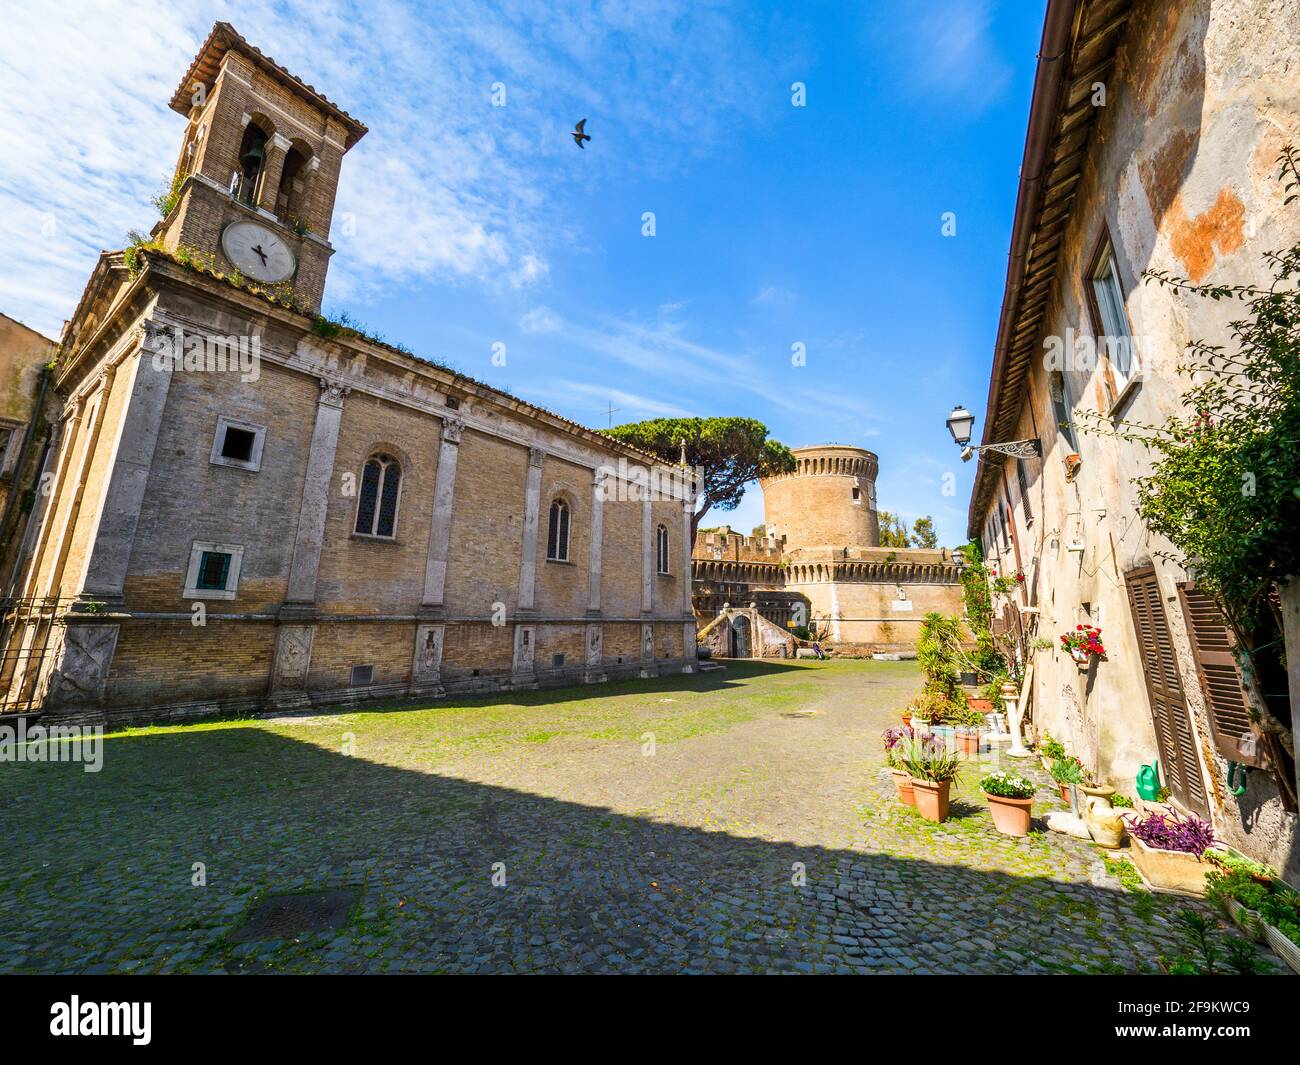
{"x": 1023, "y": 483}
{"x": 1216, "y": 665}
{"x": 1178, "y": 757}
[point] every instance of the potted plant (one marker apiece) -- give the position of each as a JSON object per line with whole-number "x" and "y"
{"x": 1010, "y": 799}
{"x": 1067, "y": 771}
{"x": 933, "y": 768}
{"x": 1084, "y": 644}
{"x": 1269, "y": 912}
{"x": 968, "y": 730}
{"x": 1232, "y": 862}
{"x": 1169, "y": 849}
{"x": 1051, "y": 750}
{"x": 902, "y": 778}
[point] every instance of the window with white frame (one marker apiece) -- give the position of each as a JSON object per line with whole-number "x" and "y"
{"x": 213, "y": 571}
{"x": 557, "y": 532}
{"x": 1115, "y": 338}
{"x": 381, "y": 483}
{"x": 237, "y": 444}
{"x": 661, "y": 549}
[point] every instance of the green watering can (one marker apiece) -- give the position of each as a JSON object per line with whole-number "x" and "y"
{"x": 1148, "y": 781}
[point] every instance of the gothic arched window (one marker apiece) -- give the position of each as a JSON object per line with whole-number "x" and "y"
{"x": 557, "y": 532}
{"x": 381, "y": 481}
{"x": 661, "y": 548}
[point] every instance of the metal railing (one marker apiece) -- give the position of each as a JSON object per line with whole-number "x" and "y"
{"x": 244, "y": 189}
{"x": 27, "y": 628}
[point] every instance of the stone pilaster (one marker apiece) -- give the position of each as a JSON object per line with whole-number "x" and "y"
{"x": 301, "y": 598}
{"x": 73, "y": 426}
{"x": 597, "y": 540}
{"x": 528, "y": 559}
{"x": 688, "y": 609}
{"x": 444, "y": 490}
{"x": 54, "y": 583}
{"x": 146, "y": 386}
{"x": 647, "y": 557}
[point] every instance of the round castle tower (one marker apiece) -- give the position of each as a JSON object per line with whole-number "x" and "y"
{"x": 830, "y": 499}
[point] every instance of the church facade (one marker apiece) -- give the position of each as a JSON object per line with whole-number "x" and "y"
{"x": 251, "y": 506}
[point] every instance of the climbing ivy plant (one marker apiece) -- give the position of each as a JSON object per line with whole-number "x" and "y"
{"x": 986, "y": 660}
{"x": 1224, "y": 487}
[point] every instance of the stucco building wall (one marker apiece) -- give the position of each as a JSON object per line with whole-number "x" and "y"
{"x": 1181, "y": 173}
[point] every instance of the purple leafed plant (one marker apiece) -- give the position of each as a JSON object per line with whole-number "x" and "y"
{"x": 1173, "y": 832}
{"x": 891, "y": 736}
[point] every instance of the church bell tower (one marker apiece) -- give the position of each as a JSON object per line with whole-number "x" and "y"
{"x": 254, "y": 186}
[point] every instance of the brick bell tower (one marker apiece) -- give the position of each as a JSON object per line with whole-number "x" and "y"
{"x": 259, "y": 168}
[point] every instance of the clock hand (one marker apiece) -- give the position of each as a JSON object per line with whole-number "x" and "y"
{"x": 261, "y": 254}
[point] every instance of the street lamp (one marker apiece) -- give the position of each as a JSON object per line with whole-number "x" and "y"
{"x": 960, "y": 422}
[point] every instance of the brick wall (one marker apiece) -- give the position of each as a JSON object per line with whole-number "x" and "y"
{"x": 479, "y": 646}
{"x": 486, "y": 527}
{"x": 562, "y": 588}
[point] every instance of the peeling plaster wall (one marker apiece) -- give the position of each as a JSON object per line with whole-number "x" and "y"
{"x": 1182, "y": 174}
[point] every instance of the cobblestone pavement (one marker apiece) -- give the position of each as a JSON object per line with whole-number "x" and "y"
{"x": 654, "y": 826}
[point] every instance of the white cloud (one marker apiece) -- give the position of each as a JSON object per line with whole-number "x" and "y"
{"x": 947, "y": 51}
{"x": 540, "y": 320}
{"x": 445, "y": 187}
{"x": 629, "y": 406}
{"x": 773, "y": 295}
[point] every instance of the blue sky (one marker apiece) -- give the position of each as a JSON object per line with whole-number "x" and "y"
{"x": 473, "y": 225}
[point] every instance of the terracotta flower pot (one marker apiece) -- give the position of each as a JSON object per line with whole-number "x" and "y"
{"x": 969, "y": 742}
{"x": 1010, "y": 816}
{"x": 1064, "y": 789}
{"x": 1176, "y": 870}
{"x": 903, "y": 782}
{"x": 931, "y": 798}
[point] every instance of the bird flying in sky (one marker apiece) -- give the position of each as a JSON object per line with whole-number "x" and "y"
{"x": 579, "y": 136}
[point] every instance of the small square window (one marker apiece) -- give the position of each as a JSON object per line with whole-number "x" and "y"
{"x": 362, "y": 676}
{"x": 214, "y": 567}
{"x": 453, "y": 403}
{"x": 213, "y": 571}
{"x": 857, "y": 493}
{"x": 557, "y": 660}
{"x": 238, "y": 444}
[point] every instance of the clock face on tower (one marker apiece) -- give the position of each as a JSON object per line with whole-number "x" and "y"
{"x": 257, "y": 251}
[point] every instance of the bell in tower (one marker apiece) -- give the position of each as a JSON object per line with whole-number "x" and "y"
{"x": 252, "y": 156}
